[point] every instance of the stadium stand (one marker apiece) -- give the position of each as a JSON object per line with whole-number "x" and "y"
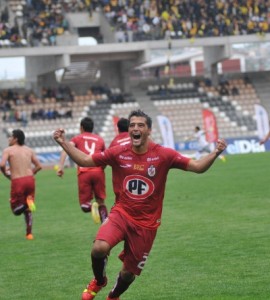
{"x": 44, "y": 114}
{"x": 183, "y": 105}
{"x": 40, "y": 23}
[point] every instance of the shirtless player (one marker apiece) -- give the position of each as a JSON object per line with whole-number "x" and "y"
{"x": 22, "y": 165}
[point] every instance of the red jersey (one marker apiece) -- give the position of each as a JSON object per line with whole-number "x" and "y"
{"x": 122, "y": 138}
{"x": 139, "y": 180}
{"x": 88, "y": 143}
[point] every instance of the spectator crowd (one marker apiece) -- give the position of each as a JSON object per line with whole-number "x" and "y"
{"x": 41, "y": 21}
{"x": 12, "y": 105}
{"x": 51, "y": 103}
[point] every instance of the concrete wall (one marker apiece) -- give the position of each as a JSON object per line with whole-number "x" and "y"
{"x": 67, "y": 39}
{"x": 40, "y": 71}
{"x": 44, "y": 60}
{"x": 83, "y": 19}
{"x": 97, "y": 19}
{"x": 212, "y": 56}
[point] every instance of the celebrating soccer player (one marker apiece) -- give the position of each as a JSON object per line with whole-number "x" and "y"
{"x": 140, "y": 171}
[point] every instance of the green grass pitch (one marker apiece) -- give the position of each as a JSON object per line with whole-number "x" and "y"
{"x": 213, "y": 242}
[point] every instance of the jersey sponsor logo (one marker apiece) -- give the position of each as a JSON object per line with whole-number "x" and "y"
{"x": 138, "y": 167}
{"x": 152, "y": 171}
{"x": 152, "y": 158}
{"x": 126, "y": 166}
{"x": 125, "y": 157}
{"x": 138, "y": 187}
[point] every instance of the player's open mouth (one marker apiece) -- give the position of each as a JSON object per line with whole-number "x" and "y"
{"x": 136, "y": 136}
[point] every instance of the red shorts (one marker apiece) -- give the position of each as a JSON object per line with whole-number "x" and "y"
{"x": 91, "y": 184}
{"x": 138, "y": 240}
{"x": 20, "y": 189}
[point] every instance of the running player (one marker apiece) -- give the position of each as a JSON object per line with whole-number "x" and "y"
{"x": 91, "y": 181}
{"x": 141, "y": 169}
{"x": 19, "y": 163}
{"x": 203, "y": 145}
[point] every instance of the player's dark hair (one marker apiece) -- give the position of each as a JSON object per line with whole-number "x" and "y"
{"x": 122, "y": 125}
{"x": 140, "y": 113}
{"x": 87, "y": 124}
{"x": 19, "y": 135}
{"x": 197, "y": 128}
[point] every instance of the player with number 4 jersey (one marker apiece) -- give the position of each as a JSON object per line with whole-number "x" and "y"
{"x": 91, "y": 180}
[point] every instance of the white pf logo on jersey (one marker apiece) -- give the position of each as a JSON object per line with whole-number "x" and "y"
{"x": 138, "y": 187}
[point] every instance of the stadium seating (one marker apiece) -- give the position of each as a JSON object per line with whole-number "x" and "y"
{"x": 182, "y": 101}
{"x": 98, "y": 106}
{"x": 234, "y": 114}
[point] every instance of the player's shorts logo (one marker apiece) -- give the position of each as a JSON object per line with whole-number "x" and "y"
{"x": 138, "y": 187}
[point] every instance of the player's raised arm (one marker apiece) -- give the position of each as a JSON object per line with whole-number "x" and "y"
{"x": 203, "y": 164}
{"x": 76, "y": 155}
